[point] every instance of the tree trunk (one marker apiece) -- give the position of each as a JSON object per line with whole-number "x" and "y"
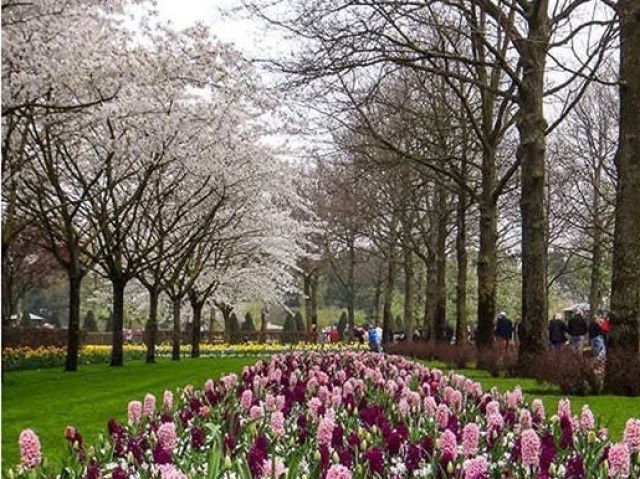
{"x": 196, "y": 306}
{"x": 387, "y": 314}
{"x": 263, "y": 327}
{"x": 440, "y": 305}
{"x": 151, "y": 329}
{"x": 487, "y": 267}
{"x": 117, "y": 348}
{"x": 461, "y": 260}
{"x": 622, "y": 374}
{"x": 430, "y": 287}
{"x": 175, "y": 337}
{"x": 408, "y": 289}
{"x": 73, "y": 339}
{"x": 531, "y": 153}
{"x": 306, "y": 278}
{"x": 314, "y": 298}
{"x": 351, "y": 291}
{"x": 595, "y": 287}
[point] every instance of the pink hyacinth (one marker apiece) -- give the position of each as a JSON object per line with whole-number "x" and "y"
{"x": 525, "y": 419}
{"x": 314, "y": 406}
{"x": 149, "y": 406}
{"x": 442, "y": 415}
{"x": 134, "y": 412}
{"x": 347, "y": 389}
{"x": 429, "y": 405}
{"x": 277, "y": 423}
{"x": 495, "y": 421}
{"x": 268, "y": 468}
{"x": 167, "y": 400}
{"x": 229, "y": 381}
{"x": 280, "y": 402}
{"x": 470, "y": 439}
{"x": 246, "y": 399}
{"x": 169, "y": 471}
{"x": 30, "y": 450}
{"x": 256, "y": 412}
{"x": 587, "y": 422}
{"x": 325, "y": 430}
{"x": 530, "y": 443}
{"x": 403, "y": 407}
{"x": 209, "y": 385}
{"x": 619, "y": 461}
{"x": 167, "y": 436}
{"x": 338, "y": 471}
{"x": 538, "y": 409}
{"x": 270, "y": 402}
{"x": 476, "y": 468}
{"x": 493, "y": 407}
{"x": 449, "y": 445}
{"x": 456, "y": 400}
{"x": 564, "y": 408}
{"x": 631, "y": 435}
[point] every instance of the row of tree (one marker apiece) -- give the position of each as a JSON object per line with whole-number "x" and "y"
{"x": 491, "y": 111}
{"x": 138, "y": 151}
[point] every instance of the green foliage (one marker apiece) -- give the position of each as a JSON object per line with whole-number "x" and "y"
{"x": 399, "y": 323}
{"x": 289, "y": 330}
{"x": 90, "y": 323}
{"x": 343, "y": 322}
{"x": 248, "y": 325}
{"x": 299, "y": 320}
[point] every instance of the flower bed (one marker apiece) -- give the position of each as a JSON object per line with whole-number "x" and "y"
{"x": 22, "y": 358}
{"x": 345, "y": 416}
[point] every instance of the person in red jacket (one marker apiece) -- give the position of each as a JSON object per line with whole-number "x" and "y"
{"x": 334, "y": 337}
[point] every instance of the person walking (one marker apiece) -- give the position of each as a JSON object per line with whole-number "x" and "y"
{"x": 504, "y": 331}
{"x": 596, "y": 337}
{"x": 557, "y": 333}
{"x": 577, "y": 329}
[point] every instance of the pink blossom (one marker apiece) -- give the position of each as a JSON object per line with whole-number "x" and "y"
{"x": 149, "y": 406}
{"x": 246, "y": 399}
{"x": 525, "y": 419}
{"x": 30, "y": 450}
{"x": 209, "y": 385}
{"x": 325, "y": 430}
{"x": 470, "y": 439}
{"x": 269, "y": 468}
{"x": 403, "y": 407}
{"x": 277, "y": 423}
{"x": 167, "y": 400}
{"x": 619, "y": 461}
{"x": 229, "y": 381}
{"x": 442, "y": 415}
{"x": 449, "y": 445}
{"x": 495, "y": 421}
{"x": 134, "y": 412}
{"x": 338, "y": 471}
{"x": 514, "y": 397}
{"x": 476, "y": 468}
{"x": 587, "y": 422}
{"x": 169, "y": 471}
{"x": 530, "y": 443}
{"x": 538, "y": 409}
{"x": 347, "y": 389}
{"x": 632, "y": 435}
{"x": 430, "y": 405}
{"x": 167, "y": 436}
{"x": 270, "y": 402}
{"x": 256, "y": 412}
{"x": 564, "y": 408}
{"x": 493, "y": 407}
{"x": 314, "y": 406}
{"x": 456, "y": 400}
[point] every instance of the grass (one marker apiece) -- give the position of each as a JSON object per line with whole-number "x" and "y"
{"x": 613, "y": 411}
{"x": 49, "y": 400}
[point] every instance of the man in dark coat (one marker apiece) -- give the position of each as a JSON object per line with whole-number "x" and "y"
{"x": 557, "y": 333}
{"x": 577, "y": 329}
{"x": 504, "y": 330}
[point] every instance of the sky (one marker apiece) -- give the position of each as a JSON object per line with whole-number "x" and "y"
{"x": 224, "y": 17}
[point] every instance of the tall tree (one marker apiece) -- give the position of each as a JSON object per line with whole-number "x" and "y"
{"x": 623, "y": 356}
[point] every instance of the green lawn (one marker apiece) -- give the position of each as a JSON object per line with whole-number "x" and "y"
{"x": 613, "y": 410}
{"x": 49, "y": 400}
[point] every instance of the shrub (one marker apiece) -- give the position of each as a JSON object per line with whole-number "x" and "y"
{"x": 299, "y": 320}
{"x": 248, "y": 324}
{"x": 573, "y": 373}
{"x": 289, "y": 330}
{"x": 234, "y": 328}
{"x": 90, "y": 323}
